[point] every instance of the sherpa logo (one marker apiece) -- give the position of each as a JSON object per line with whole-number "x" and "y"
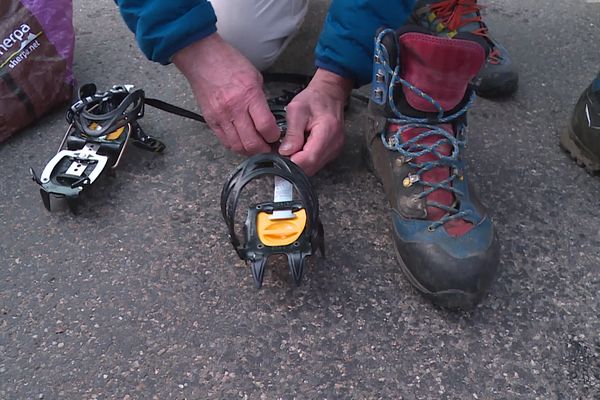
{"x": 26, "y": 41}
{"x": 13, "y": 38}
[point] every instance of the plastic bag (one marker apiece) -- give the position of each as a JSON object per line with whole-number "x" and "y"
{"x": 36, "y": 59}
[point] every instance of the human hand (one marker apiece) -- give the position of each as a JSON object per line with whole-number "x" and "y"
{"x": 319, "y": 112}
{"x": 228, "y": 89}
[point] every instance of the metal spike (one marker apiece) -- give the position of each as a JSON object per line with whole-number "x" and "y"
{"x": 296, "y": 263}
{"x": 322, "y": 248}
{"x": 321, "y": 238}
{"x": 258, "y": 271}
{"x": 35, "y": 176}
{"x": 45, "y": 198}
{"x": 73, "y": 204}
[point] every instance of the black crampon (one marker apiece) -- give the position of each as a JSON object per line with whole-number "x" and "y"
{"x": 291, "y": 227}
{"x": 100, "y": 126}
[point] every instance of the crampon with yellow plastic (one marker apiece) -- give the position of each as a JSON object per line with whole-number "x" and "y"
{"x": 100, "y": 126}
{"x": 286, "y": 226}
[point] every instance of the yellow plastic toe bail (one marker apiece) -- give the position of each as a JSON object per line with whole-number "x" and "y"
{"x": 280, "y": 232}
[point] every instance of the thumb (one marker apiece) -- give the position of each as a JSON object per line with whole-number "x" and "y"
{"x": 297, "y": 120}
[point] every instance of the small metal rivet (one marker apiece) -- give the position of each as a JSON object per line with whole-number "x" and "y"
{"x": 410, "y": 180}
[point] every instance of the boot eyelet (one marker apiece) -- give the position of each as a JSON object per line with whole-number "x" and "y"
{"x": 431, "y": 228}
{"x": 410, "y": 180}
{"x": 378, "y": 94}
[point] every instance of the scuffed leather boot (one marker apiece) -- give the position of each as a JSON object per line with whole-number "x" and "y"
{"x": 581, "y": 139}
{"x": 445, "y": 241}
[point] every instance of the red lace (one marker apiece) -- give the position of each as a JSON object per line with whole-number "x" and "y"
{"x": 452, "y": 13}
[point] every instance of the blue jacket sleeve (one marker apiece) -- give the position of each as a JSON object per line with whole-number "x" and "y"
{"x": 345, "y": 46}
{"x": 163, "y": 27}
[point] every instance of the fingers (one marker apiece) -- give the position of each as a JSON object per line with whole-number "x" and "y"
{"x": 243, "y": 128}
{"x": 264, "y": 121}
{"x": 237, "y": 129}
{"x": 298, "y": 116}
{"x": 228, "y": 136}
{"x": 324, "y": 144}
{"x": 250, "y": 139}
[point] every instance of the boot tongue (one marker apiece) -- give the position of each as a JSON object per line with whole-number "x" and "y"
{"x": 442, "y": 68}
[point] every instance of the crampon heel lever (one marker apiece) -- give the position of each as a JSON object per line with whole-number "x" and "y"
{"x": 285, "y": 226}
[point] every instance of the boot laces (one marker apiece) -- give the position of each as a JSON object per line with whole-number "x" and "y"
{"x": 452, "y": 15}
{"x": 413, "y": 148}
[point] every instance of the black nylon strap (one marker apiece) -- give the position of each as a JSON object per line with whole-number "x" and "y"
{"x": 268, "y": 77}
{"x": 170, "y": 108}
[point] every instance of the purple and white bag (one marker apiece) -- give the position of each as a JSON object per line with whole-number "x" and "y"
{"x": 36, "y": 59}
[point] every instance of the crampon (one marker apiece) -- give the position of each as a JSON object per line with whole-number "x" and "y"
{"x": 101, "y": 124}
{"x": 285, "y": 226}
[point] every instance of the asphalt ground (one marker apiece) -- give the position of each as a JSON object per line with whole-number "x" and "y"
{"x": 140, "y": 296}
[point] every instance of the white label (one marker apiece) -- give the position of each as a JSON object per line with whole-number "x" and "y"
{"x": 283, "y": 191}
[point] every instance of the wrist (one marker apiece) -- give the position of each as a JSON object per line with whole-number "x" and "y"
{"x": 338, "y": 85}
{"x": 192, "y": 57}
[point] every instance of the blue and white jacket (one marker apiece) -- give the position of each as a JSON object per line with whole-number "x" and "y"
{"x": 345, "y": 47}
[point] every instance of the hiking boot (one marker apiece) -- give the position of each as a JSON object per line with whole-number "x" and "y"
{"x": 581, "y": 138}
{"x": 445, "y": 241}
{"x": 498, "y": 77}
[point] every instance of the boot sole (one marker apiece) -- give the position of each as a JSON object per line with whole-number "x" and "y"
{"x": 575, "y": 149}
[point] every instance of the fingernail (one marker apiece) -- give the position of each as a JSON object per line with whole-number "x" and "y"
{"x": 285, "y": 147}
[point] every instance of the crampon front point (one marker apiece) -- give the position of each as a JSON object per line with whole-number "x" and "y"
{"x": 284, "y": 226}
